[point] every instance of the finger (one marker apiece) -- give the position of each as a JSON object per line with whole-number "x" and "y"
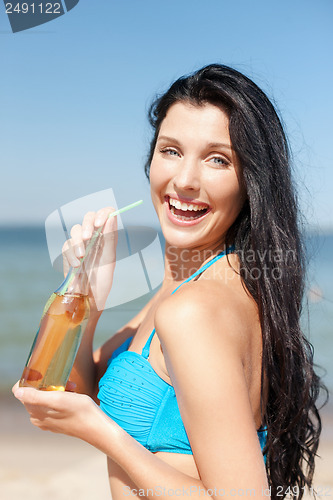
{"x": 38, "y": 423}
{"x": 70, "y": 386}
{"x": 35, "y": 411}
{"x": 31, "y": 398}
{"x": 15, "y": 387}
{"x": 69, "y": 256}
{"x": 102, "y": 215}
{"x": 65, "y": 263}
{"x": 110, "y": 229}
{"x": 111, "y": 238}
{"x": 24, "y": 394}
{"x": 77, "y": 241}
{"x": 88, "y": 225}
{"x": 111, "y": 226}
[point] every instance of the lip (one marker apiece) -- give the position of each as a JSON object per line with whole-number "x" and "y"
{"x": 185, "y": 200}
{"x": 184, "y": 223}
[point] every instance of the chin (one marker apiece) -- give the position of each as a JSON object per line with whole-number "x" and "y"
{"x": 182, "y": 239}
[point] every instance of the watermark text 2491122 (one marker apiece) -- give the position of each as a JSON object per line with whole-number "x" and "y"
{"x": 26, "y": 15}
{"x": 34, "y": 7}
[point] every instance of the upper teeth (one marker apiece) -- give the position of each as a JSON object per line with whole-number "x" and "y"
{"x": 185, "y": 206}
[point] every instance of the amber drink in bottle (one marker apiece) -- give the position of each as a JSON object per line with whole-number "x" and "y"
{"x": 61, "y": 328}
{"x": 63, "y": 322}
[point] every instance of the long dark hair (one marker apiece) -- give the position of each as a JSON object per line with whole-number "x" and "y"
{"x": 267, "y": 236}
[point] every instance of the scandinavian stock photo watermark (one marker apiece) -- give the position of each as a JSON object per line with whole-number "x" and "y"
{"x": 250, "y": 264}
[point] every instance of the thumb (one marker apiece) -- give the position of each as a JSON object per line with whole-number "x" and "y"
{"x": 28, "y": 395}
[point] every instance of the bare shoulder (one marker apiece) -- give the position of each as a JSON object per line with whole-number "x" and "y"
{"x": 217, "y": 307}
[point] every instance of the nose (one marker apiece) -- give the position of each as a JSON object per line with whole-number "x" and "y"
{"x": 187, "y": 177}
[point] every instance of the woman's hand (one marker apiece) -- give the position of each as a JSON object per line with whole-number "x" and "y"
{"x": 74, "y": 249}
{"x": 61, "y": 412}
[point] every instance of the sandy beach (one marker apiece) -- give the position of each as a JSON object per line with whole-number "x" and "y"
{"x": 38, "y": 465}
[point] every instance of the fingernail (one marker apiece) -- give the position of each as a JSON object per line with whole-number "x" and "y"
{"x": 80, "y": 251}
{"x": 86, "y": 235}
{"x": 19, "y": 393}
{"x": 98, "y": 222}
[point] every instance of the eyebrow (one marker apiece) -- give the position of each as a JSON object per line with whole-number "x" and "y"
{"x": 210, "y": 145}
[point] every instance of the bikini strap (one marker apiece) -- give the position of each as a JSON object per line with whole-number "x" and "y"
{"x": 204, "y": 267}
{"x": 146, "y": 348}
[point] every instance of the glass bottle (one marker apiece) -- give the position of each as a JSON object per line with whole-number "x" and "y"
{"x": 62, "y": 326}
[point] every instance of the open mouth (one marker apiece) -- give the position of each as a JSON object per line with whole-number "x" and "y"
{"x": 187, "y": 211}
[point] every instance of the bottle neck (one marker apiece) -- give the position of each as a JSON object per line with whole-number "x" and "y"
{"x": 78, "y": 280}
{"x": 79, "y": 284}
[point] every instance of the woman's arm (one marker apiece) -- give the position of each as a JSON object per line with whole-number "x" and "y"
{"x": 204, "y": 361}
{"x": 89, "y": 367}
{"x": 84, "y": 373}
{"x": 205, "y": 342}
{"x": 76, "y": 415}
{"x": 103, "y": 353}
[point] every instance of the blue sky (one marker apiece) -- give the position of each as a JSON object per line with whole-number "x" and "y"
{"x": 74, "y": 93}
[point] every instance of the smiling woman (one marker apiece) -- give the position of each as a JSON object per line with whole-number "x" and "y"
{"x": 210, "y": 389}
{"x": 195, "y": 176}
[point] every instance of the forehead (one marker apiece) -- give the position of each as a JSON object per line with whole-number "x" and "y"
{"x": 206, "y": 122}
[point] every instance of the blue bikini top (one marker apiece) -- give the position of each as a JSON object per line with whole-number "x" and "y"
{"x": 133, "y": 395}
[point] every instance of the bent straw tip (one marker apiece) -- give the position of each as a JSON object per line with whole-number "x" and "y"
{"x": 128, "y": 207}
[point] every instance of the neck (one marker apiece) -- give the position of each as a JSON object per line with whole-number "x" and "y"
{"x": 181, "y": 263}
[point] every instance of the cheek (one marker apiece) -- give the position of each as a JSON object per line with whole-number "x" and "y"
{"x": 155, "y": 185}
{"x": 229, "y": 195}
{"x": 157, "y": 177}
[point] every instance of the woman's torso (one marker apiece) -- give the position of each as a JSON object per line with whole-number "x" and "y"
{"x": 119, "y": 480}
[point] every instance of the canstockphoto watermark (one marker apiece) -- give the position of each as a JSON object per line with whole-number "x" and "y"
{"x": 26, "y": 15}
{"x": 162, "y": 491}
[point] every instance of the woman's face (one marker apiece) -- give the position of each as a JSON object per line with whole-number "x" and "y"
{"x": 195, "y": 177}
